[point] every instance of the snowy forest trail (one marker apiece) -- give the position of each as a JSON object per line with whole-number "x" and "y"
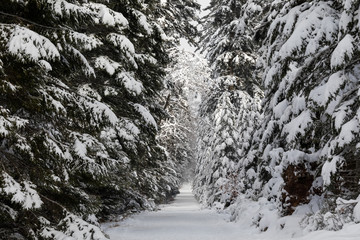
{"x": 182, "y": 219}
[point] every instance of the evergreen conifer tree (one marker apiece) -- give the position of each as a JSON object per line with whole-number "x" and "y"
{"x": 178, "y": 18}
{"x": 231, "y": 109}
{"x": 185, "y": 83}
{"x": 309, "y": 138}
{"x": 79, "y": 114}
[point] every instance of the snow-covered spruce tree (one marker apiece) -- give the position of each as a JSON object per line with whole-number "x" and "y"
{"x": 178, "y": 19}
{"x": 78, "y": 116}
{"x": 309, "y": 139}
{"x": 185, "y": 83}
{"x": 224, "y": 139}
{"x": 231, "y": 110}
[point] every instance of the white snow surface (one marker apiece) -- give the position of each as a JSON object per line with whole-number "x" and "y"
{"x": 344, "y": 49}
{"x": 24, "y": 194}
{"x": 182, "y": 219}
{"x": 105, "y": 63}
{"x": 145, "y": 113}
{"x": 26, "y": 44}
{"x": 131, "y": 84}
{"x": 186, "y": 219}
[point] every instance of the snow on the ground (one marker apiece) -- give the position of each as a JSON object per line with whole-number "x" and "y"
{"x": 180, "y": 220}
{"x": 184, "y": 219}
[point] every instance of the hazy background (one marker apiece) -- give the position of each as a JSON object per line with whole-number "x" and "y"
{"x": 183, "y": 42}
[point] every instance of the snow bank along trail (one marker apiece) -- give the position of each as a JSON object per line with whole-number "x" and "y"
{"x": 185, "y": 220}
{"x": 181, "y": 220}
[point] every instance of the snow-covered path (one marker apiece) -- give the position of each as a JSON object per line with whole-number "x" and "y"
{"x": 185, "y": 220}
{"x": 181, "y": 220}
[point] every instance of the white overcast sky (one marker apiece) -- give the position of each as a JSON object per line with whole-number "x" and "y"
{"x": 203, "y": 3}
{"x": 183, "y": 42}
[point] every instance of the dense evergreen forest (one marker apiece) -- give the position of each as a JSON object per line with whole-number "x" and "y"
{"x": 283, "y": 116}
{"x": 102, "y": 116}
{"x": 80, "y": 112}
